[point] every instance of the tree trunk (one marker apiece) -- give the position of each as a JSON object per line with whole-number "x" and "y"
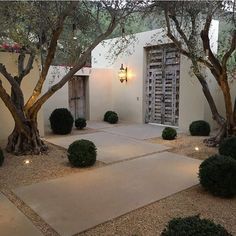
{"x": 228, "y": 105}
{"x": 27, "y": 142}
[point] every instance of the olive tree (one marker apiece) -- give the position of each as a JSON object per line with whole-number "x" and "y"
{"x": 188, "y": 25}
{"x": 45, "y": 29}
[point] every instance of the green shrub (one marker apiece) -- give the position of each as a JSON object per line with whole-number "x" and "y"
{"x": 112, "y": 118}
{"x": 169, "y": 133}
{"x": 82, "y": 153}
{"x": 80, "y": 123}
{"x": 217, "y": 175}
{"x": 228, "y": 147}
{"x": 199, "y": 128}
{"x": 1, "y": 157}
{"x": 193, "y": 226}
{"x": 61, "y": 121}
{"x": 107, "y": 114}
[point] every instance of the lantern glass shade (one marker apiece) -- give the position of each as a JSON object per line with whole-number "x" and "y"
{"x": 122, "y": 74}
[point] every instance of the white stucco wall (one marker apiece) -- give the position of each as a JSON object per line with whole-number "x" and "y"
{"x": 128, "y": 98}
{"x": 106, "y": 92}
{"x": 99, "y": 89}
{"x": 6, "y": 120}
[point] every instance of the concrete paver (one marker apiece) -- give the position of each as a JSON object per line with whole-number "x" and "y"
{"x": 13, "y": 222}
{"x": 112, "y": 147}
{"x": 137, "y": 131}
{"x": 80, "y": 201}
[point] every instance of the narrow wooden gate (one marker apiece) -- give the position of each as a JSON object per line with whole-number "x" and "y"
{"x": 162, "y": 85}
{"x": 77, "y": 96}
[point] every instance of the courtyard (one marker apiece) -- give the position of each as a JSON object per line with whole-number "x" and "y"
{"x": 145, "y": 175}
{"x": 118, "y": 118}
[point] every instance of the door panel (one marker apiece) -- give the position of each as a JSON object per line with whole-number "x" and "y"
{"x": 77, "y": 96}
{"x": 162, "y": 85}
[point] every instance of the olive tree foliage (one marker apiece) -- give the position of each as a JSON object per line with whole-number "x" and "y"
{"x": 44, "y": 30}
{"x": 188, "y": 25}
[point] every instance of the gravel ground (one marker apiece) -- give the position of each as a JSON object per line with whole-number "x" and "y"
{"x": 149, "y": 220}
{"x": 15, "y": 172}
{"x": 185, "y": 144}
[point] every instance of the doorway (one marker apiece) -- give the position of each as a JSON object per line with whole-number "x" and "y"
{"x": 78, "y": 96}
{"x": 162, "y": 85}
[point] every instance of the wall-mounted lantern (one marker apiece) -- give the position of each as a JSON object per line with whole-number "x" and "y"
{"x": 122, "y": 74}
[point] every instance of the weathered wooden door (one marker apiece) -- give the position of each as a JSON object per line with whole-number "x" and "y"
{"x": 162, "y": 85}
{"x": 77, "y": 96}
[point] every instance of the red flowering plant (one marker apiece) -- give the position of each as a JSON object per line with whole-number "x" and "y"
{"x": 7, "y": 47}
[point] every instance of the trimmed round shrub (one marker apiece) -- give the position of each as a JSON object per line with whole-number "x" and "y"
{"x": 112, "y": 118}
{"x": 169, "y": 133}
{"x": 107, "y": 114}
{"x": 82, "y": 153}
{"x": 199, "y": 128}
{"x": 194, "y": 226}
{"x": 228, "y": 147}
{"x": 80, "y": 123}
{"x": 217, "y": 174}
{"x": 1, "y": 157}
{"x": 61, "y": 121}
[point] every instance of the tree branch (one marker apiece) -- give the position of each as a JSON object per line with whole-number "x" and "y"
{"x": 229, "y": 52}
{"x": 14, "y": 84}
{"x": 38, "y": 104}
{"x": 50, "y": 55}
{"x": 22, "y": 72}
{"x": 235, "y": 110}
{"x": 177, "y": 43}
{"x": 206, "y": 46}
{"x": 11, "y": 107}
{"x": 21, "y": 59}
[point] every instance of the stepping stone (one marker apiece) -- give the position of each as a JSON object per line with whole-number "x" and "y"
{"x": 111, "y": 147}
{"x": 83, "y": 200}
{"x": 13, "y": 222}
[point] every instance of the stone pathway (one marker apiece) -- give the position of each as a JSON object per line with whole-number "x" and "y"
{"x": 80, "y": 201}
{"x": 112, "y": 147}
{"x": 136, "y": 131}
{"x": 13, "y": 222}
{"x": 139, "y": 173}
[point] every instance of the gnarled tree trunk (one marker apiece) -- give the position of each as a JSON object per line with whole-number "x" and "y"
{"x": 27, "y": 141}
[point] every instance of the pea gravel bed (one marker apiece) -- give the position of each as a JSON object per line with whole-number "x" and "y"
{"x": 151, "y": 220}
{"x": 191, "y": 146}
{"x": 15, "y": 172}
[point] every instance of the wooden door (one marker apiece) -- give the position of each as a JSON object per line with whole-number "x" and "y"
{"x": 77, "y": 96}
{"x": 162, "y": 85}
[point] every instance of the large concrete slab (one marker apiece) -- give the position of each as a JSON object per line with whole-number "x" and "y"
{"x": 80, "y": 201}
{"x": 111, "y": 147}
{"x": 137, "y": 131}
{"x": 13, "y": 222}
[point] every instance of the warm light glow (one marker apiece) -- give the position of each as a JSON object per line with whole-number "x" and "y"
{"x": 196, "y": 148}
{"x": 26, "y": 161}
{"x": 122, "y": 74}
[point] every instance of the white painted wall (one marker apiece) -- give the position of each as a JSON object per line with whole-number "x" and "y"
{"x": 128, "y": 98}
{"x": 6, "y": 120}
{"x": 100, "y": 92}
{"x": 106, "y": 92}
{"x": 99, "y": 88}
